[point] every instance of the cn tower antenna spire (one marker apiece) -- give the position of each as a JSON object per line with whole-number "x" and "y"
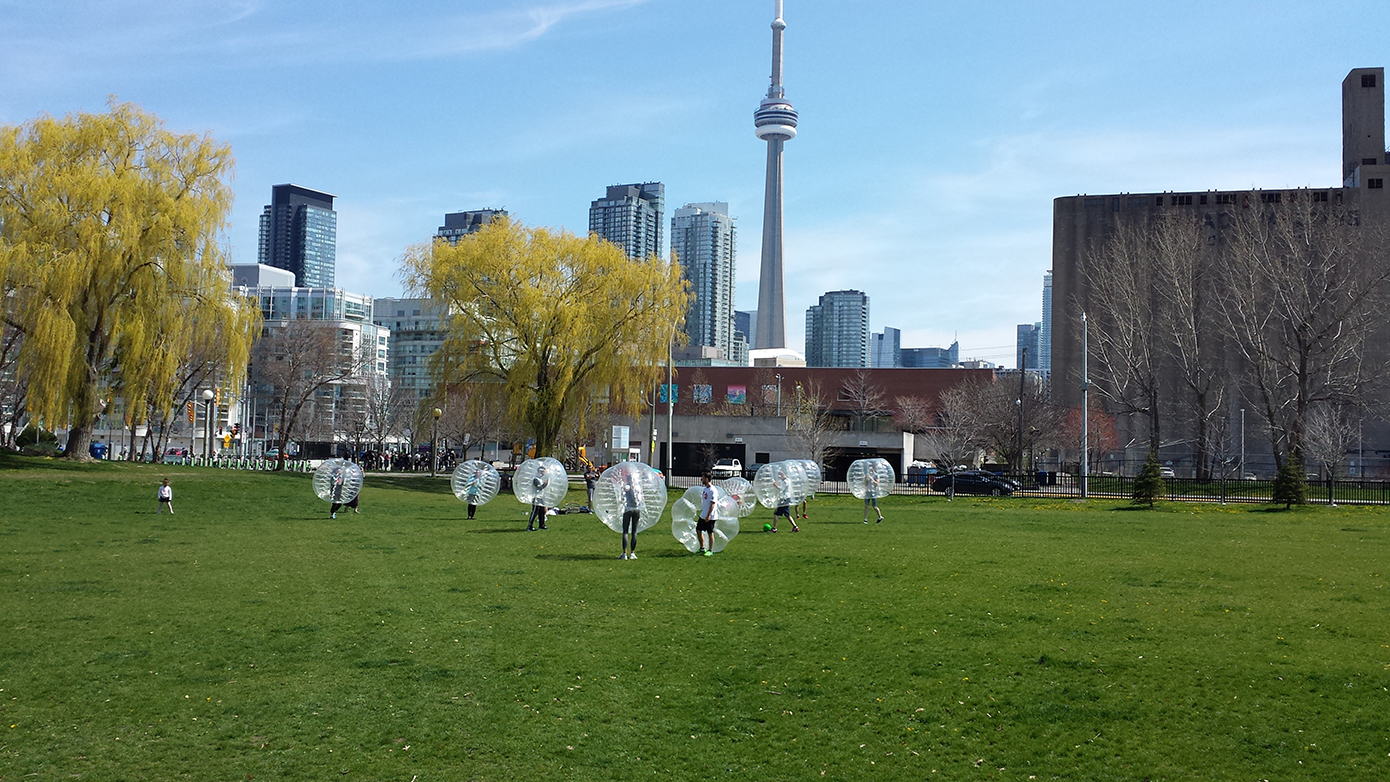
{"x": 775, "y": 123}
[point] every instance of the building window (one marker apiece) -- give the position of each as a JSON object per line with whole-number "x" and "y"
{"x": 1320, "y": 195}
{"x": 1225, "y": 198}
{"x": 1271, "y": 198}
{"x": 1368, "y": 80}
{"x": 1368, "y": 161}
{"x": 1182, "y": 200}
{"x": 1158, "y": 200}
{"x": 1203, "y": 201}
{"x": 1375, "y": 184}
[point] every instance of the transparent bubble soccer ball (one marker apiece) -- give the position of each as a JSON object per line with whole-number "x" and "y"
{"x": 780, "y": 483}
{"x": 686, "y": 510}
{"x": 475, "y": 482}
{"x": 629, "y": 485}
{"x": 870, "y": 479}
{"x": 741, "y": 491}
{"x": 541, "y": 481}
{"x": 813, "y": 475}
{"x": 337, "y": 480}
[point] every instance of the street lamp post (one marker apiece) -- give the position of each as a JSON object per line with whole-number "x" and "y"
{"x": 208, "y": 416}
{"x": 434, "y": 439}
{"x": 1243, "y": 471}
{"x": 779, "y": 393}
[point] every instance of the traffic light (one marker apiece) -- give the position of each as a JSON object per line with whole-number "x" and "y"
{"x": 190, "y": 412}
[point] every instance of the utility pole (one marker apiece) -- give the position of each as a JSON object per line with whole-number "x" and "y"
{"x": 1022, "y": 376}
{"x": 1085, "y": 409}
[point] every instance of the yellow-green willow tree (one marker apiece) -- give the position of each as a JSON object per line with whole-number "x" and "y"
{"x": 565, "y": 322}
{"x": 109, "y": 262}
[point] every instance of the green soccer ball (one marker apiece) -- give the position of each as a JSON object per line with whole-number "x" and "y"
{"x": 767, "y": 528}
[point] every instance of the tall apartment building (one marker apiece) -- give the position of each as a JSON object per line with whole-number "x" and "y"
{"x": 1026, "y": 351}
{"x": 630, "y": 216}
{"x": 837, "y": 330}
{"x": 886, "y": 348}
{"x": 417, "y": 330}
{"x": 703, "y": 242}
{"x": 459, "y": 224}
{"x": 339, "y": 407}
{"x": 299, "y": 233}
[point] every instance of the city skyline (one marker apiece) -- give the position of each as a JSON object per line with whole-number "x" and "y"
{"x": 419, "y": 110}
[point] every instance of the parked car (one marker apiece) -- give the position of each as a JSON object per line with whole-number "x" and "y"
{"x": 1166, "y": 472}
{"x": 175, "y": 455}
{"x": 974, "y": 482}
{"x": 727, "y": 468}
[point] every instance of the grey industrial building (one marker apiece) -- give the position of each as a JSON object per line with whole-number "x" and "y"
{"x": 1084, "y": 222}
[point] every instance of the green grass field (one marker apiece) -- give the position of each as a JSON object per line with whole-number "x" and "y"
{"x": 250, "y": 637}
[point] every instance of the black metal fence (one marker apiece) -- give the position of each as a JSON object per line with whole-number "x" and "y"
{"x": 1063, "y": 486}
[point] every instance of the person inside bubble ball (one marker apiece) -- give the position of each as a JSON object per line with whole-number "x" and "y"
{"x": 471, "y": 490}
{"x": 632, "y": 514}
{"x": 782, "y": 483}
{"x": 705, "y": 524}
{"x": 538, "y": 511}
{"x": 339, "y": 479}
{"x": 871, "y": 484}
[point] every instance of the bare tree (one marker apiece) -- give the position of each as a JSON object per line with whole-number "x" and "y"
{"x": 948, "y": 442}
{"x": 1330, "y": 434}
{"x": 1119, "y": 274}
{"x": 1101, "y": 436}
{"x": 914, "y": 413}
{"x": 1000, "y": 420}
{"x": 864, "y": 397}
{"x": 298, "y": 362}
{"x": 1306, "y": 286}
{"x": 810, "y": 425}
{"x": 13, "y": 386}
{"x": 1189, "y": 326}
{"x": 385, "y": 407}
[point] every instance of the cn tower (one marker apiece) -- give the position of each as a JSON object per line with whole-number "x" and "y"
{"x": 775, "y": 123}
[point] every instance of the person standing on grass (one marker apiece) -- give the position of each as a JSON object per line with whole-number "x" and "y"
{"x": 705, "y": 524}
{"x": 339, "y": 479}
{"x": 871, "y": 484}
{"x": 632, "y": 514}
{"x": 590, "y": 481}
{"x": 470, "y": 493}
{"x": 782, "y": 483}
{"x": 166, "y": 498}
{"x": 538, "y": 511}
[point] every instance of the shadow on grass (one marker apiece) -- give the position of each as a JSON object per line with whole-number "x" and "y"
{"x": 9, "y": 460}
{"x": 419, "y": 483}
{"x": 495, "y": 530}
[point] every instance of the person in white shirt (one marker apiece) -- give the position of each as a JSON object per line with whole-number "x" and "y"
{"x": 166, "y": 498}
{"x": 704, "y": 526}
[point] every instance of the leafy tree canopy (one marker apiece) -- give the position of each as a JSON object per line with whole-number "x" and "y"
{"x": 109, "y": 262}
{"x": 566, "y": 322}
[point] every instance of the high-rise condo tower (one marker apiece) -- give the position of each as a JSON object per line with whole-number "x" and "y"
{"x": 775, "y": 123}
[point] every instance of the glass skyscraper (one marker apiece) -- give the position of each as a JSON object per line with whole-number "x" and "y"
{"x": 837, "y": 330}
{"x": 703, "y": 242}
{"x": 299, "y": 233}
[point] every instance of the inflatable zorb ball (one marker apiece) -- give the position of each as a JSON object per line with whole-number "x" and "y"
{"x": 740, "y": 490}
{"x": 541, "y": 482}
{"x": 337, "y": 480}
{"x": 629, "y": 485}
{"x": 780, "y": 483}
{"x": 813, "y": 475}
{"x": 686, "y": 510}
{"x": 475, "y": 482}
{"x": 870, "y": 479}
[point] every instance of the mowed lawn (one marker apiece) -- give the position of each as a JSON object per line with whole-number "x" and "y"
{"x": 251, "y": 637}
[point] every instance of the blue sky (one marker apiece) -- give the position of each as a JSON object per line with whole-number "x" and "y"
{"x": 933, "y": 135}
